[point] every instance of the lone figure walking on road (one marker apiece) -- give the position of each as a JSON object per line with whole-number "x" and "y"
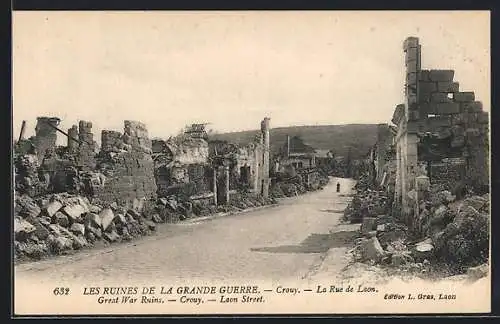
{"x": 338, "y": 187}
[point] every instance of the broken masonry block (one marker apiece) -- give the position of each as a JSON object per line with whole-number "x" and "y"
{"x": 93, "y": 220}
{"x": 440, "y": 121}
{"x": 372, "y": 250}
{"x": 74, "y": 211}
{"x": 464, "y": 96}
{"x": 52, "y": 208}
{"x": 427, "y": 86}
{"x": 78, "y": 229}
{"x": 61, "y": 219}
{"x": 106, "y": 215}
{"x": 447, "y": 86}
{"x": 441, "y": 75}
{"x": 440, "y": 97}
{"x": 474, "y": 106}
{"x": 448, "y": 108}
{"x": 483, "y": 117}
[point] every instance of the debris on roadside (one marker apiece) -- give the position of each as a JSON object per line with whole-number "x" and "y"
{"x": 455, "y": 232}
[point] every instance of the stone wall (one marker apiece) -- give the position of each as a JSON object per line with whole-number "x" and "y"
{"x": 127, "y": 164}
{"x": 181, "y": 166}
{"x": 87, "y": 148}
{"x": 447, "y": 172}
{"x": 247, "y": 159}
{"x": 111, "y": 141}
{"x": 190, "y": 150}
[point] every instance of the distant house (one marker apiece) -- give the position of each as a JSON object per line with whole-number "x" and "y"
{"x": 324, "y": 157}
{"x": 297, "y": 154}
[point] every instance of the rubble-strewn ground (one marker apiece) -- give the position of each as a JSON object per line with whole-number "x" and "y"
{"x": 451, "y": 237}
{"x": 63, "y": 223}
{"x": 60, "y": 224}
{"x": 295, "y": 186}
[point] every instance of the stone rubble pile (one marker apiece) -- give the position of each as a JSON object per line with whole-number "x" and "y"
{"x": 455, "y": 232}
{"x": 27, "y": 180}
{"x": 367, "y": 203}
{"x": 458, "y": 229}
{"x": 241, "y": 201}
{"x": 296, "y": 186}
{"x": 60, "y": 223}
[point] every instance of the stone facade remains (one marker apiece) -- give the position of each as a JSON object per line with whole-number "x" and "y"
{"x": 127, "y": 165}
{"x": 442, "y": 134}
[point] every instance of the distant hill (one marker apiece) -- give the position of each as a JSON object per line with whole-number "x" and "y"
{"x": 360, "y": 137}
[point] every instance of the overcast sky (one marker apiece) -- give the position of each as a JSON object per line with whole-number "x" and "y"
{"x": 231, "y": 69}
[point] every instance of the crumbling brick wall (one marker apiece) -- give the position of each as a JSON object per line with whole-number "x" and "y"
{"x": 127, "y": 164}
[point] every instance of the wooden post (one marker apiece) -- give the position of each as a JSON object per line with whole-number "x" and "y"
{"x": 21, "y": 133}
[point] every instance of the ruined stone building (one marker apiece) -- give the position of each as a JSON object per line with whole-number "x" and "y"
{"x": 181, "y": 165}
{"x": 56, "y": 166}
{"x": 442, "y": 133}
{"x": 325, "y": 160}
{"x": 201, "y": 168}
{"x": 297, "y": 159}
{"x": 246, "y": 166}
{"x": 130, "y": 168}
{"x": 382, "y": 158}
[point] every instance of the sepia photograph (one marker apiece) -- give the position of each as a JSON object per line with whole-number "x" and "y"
{"x": 250, "y": 162}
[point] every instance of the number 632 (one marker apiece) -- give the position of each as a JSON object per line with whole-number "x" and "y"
{"x": 61, "y": 291}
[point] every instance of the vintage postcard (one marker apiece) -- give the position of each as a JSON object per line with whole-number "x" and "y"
{"x": 251, "y": 162}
